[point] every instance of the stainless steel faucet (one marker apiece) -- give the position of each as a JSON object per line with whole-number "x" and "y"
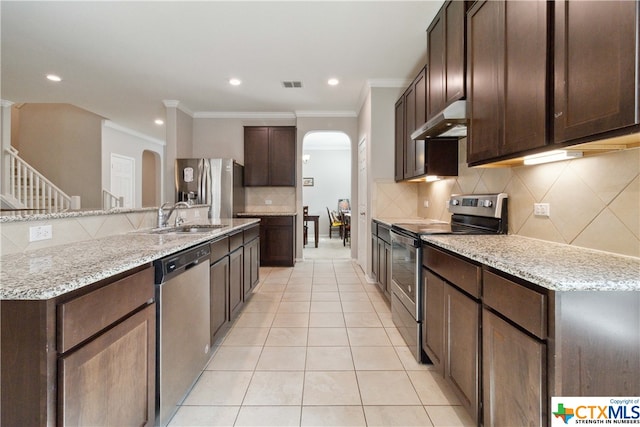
{"x": 163, "y": 218}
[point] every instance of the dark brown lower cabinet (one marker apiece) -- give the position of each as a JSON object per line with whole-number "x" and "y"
{"x": 236, "y": 287}
{"x": 375, "y": 257}
{"x": 87, "y": 357}
{"x": 277, "y": 240}
{"x": 381, "y": 257}
{"x": 451, "y": 330}
{"x": 385, "y": 268}
{"x": 219, "y": 288}
{"x": 514, "y": 375}
{"x": 251, "y": 265}
{"x": 462, "y": 326}
{"x": 103, "y": 382}
{"x": 451, "y": 338}
{"x": 433, "y": 328}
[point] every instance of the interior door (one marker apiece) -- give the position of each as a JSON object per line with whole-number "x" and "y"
{"x": 363, "y": 228}
{"x": 123, "y": 178}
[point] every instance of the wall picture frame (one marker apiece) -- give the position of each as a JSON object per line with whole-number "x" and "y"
{"x": 307, "y": 182}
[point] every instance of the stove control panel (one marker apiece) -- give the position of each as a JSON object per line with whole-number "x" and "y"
{"x": 487, "y": 205}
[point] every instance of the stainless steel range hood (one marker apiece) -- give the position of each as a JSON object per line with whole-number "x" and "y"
{"x": 450, "y": 122}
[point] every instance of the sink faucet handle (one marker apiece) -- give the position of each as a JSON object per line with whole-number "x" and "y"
{"x": 179, "y": 220}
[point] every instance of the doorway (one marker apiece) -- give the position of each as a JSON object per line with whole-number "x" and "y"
{"x": 326, "y": 178}
{"x": 123, "y": 178}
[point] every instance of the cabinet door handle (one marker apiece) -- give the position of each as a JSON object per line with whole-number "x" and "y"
{"x": 557, "y": 115}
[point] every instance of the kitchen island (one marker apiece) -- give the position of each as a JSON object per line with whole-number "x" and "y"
{"x": 79, "y": 323}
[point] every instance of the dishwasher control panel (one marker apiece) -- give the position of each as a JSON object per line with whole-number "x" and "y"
{"x": 172, "y": 265}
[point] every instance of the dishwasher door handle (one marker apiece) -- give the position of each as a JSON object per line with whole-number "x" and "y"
{"x": 191, "y": 265}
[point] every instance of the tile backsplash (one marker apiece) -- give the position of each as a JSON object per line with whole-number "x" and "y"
{"x": 15, "y": 235}
{"x": 594, "y": 201}
{"x": 270, "y": 199}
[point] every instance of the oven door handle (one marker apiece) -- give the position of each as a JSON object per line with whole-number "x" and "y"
{"x": 405, "y": 240}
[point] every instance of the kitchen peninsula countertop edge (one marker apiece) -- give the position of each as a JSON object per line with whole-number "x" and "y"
{"x": 555, "y": 266}
{"x": 50, "y": 272}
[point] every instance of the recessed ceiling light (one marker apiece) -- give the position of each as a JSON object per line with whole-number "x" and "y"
{"x": 54, "y": 78}
{"x": 235, "y": 82}
{"x": 333, "y": 82}
{"x": 159, "y": 122}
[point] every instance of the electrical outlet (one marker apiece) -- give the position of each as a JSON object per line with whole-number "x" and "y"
{"x": 40, "y": 232}
{"x": 267, "y": 202}
{"x": 541, "y": 209}
{"x": 425, "y": 204}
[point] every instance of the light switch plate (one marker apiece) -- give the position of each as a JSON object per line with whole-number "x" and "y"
{"x": 40, "y": 232}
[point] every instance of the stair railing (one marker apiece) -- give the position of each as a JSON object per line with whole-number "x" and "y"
{"x": 31, "y": 189}
{"x": 110, "y": 200}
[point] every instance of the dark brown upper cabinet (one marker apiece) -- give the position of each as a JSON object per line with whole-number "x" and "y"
{"x": 399, "y": 139}
{"x": 417, "y": 158}
{"x": 270, "y": 156}
{"x": 596, "y": 78}
{"x": 409, "y": 114}
{"x": 507, "y": 79}
{"x": 446, "y": 60}
{"x": 414, "y": 102}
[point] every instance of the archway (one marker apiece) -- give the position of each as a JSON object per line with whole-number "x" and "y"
{"x": 326, "y": 178}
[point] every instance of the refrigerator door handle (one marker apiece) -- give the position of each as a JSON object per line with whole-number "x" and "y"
{"x": 204, "y": 181}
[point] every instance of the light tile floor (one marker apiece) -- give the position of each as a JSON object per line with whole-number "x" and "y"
{"x": 315, "y": 346}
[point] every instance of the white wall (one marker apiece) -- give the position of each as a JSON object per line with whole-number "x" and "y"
{"x": 125, "y": 142}
{"x": 331, "y": 172}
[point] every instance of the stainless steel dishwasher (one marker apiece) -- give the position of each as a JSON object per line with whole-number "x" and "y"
{"x": 182, "y": 337}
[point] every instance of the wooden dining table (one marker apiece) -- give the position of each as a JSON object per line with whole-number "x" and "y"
{"x": 314, "y": 219}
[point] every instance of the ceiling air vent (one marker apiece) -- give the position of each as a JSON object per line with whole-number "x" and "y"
{"x": 291, "y": 84}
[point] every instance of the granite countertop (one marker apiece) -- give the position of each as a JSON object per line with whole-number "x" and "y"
{"x": 45, "y": 214}
{"x": 554, "y": 266}
{"x": 50, "y": 272}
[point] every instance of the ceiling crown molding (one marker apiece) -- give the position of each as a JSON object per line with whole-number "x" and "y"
{"x": 120, "y": 128}
{"x": 172, "y": 103}
{"x": 242, "y": 115}
{"x": 326, "y": 114}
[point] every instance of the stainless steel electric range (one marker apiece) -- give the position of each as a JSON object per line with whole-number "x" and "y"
{"x": 471, "y": 214}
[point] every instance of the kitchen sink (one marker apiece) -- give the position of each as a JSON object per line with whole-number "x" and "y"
{"x": 187, "y": 229}
{"x": 199, "y": 228}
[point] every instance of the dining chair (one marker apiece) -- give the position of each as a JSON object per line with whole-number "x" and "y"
{"x": 346, "y": 228}
{"x": 305, "y": 226}
{"x": 334, "y": 222}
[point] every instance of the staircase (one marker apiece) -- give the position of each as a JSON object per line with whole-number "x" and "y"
{"x": 29, "y": 189}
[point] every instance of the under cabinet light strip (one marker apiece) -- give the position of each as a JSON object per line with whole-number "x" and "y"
{"x": 551, "y": 156}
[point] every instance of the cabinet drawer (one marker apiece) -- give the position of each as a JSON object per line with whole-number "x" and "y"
{"x": 459, "y": 272}
{"x": 83, "y": 317}
{"x": 219, "y": 248}
{"x": 235, "y": 241}
{"x": 521, "y": 305}
{"x": 251, "y": 233}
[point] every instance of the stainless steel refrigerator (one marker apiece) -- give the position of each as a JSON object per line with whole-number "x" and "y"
{"x": 214, "y": 182}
